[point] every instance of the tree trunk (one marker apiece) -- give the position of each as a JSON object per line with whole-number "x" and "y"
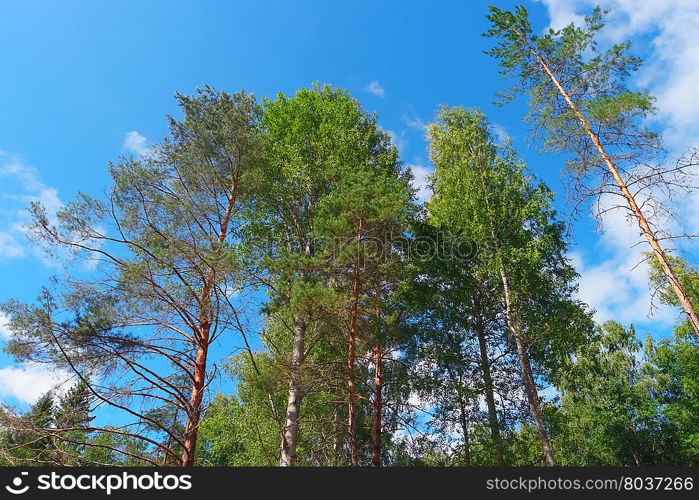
{"x": 464, "y": 431}
{"x": 195, "y": 401}
{"x": 376, "y": 422}
{"x": 524, "y": 363}
{"x": 205, "y": 321}
{"x": 293, "y": 406}
{"x": 351, "y": 356}
{"x": 489, "y": 395}
{"x": 526, "y": 370}
{"x": 648, "y": 232}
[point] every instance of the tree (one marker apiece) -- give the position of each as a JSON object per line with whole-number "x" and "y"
{"x": 165, "y": 248}
{"x": 456, "y": 341}
{"x": 674, "y": 365}
{"x": 609, "y": 414}
{"x": 484, "y": 193}
{"x": 25, "y": 440}
{"x": 73, "y": 417}
{"x": 580, "y": 103}
{"x": 333, "y": 191}
{"x": 53, "y": 431}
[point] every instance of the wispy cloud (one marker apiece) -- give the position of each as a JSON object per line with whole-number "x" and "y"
{"x": 412, "y": 120}
{"x": 500, "y": 132}
{"x": 375, "y": 89}
{"x": 136, "y": 143}
{"x": 23, "y": 186}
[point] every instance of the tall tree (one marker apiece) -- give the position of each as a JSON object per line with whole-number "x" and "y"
{"x": 164, "y": 246}
{"x": 580, "y": 103}
{"x": 484, "y": 192}
{"x": 333, "y": 186}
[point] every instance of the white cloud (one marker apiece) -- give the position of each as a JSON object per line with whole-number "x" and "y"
{"x": 671, "y": 69}
{"x": 4, "y": 326}
{"x": 135, "y": 143}
{"x": 617, "y": 287}
{"x": 10, "y": 247}
{"x": 375, "y": 88}
{"x": 29, "y": 381}
{"x": 14, "y": 215}
{"x": 500, "y": 132}
{"x": 420, "y": 181}
{"x": 562, "y": 13}
{"x": 412, "y": 120}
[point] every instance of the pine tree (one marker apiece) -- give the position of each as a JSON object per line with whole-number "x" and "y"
{"x": 167, "y": 242}
{"x": 580, "y": 103}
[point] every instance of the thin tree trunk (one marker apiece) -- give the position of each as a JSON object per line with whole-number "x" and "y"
{"x": 336, "y": 435}
{"x": 526, "y": 370}
{"x": 524, "y": 363}
{"x": 169, "y": 439}
{"x": 376, "y": 422}
{"x": 464, "y": 430}
{"x": 489, "y": 395}
{"x": 630, "y": 199}
{"x": 293, "y": 406}
{"x": 351, "y": 356}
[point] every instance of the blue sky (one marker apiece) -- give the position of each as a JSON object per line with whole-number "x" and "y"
{"x": 87, "y": 81}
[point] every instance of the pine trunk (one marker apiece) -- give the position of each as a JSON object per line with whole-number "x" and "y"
{"x": 351, "y": 356}
{"x": 643, "y": 224}
{"x": 195, "y": 401}
{"x": 376, "y": 422}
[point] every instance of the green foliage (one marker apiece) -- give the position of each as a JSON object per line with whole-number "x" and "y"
{"x": 676, "y": 372}
{"x": 305, "y": 197}
{"x": 485, "y": 193}
{"x": 596, "y": 81}
{"x": 53, "y": 431}
{"x": 610, "y": 412}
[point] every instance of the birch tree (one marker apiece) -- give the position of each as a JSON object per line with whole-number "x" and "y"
{"x": 485, "y": 193}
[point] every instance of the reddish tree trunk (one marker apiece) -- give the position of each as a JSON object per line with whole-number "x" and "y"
{"x": 195, "y": 401}
{"x": 376, "y": 422}
{"x": 351, "y": 356}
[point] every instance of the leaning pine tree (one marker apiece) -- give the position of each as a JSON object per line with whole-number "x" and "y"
{"x": 580, "y": 103}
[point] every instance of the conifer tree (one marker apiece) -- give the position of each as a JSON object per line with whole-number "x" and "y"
{"x": 580, "y": 103}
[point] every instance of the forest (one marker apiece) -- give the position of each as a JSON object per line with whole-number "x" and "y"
{"x": 361, "y": 326}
